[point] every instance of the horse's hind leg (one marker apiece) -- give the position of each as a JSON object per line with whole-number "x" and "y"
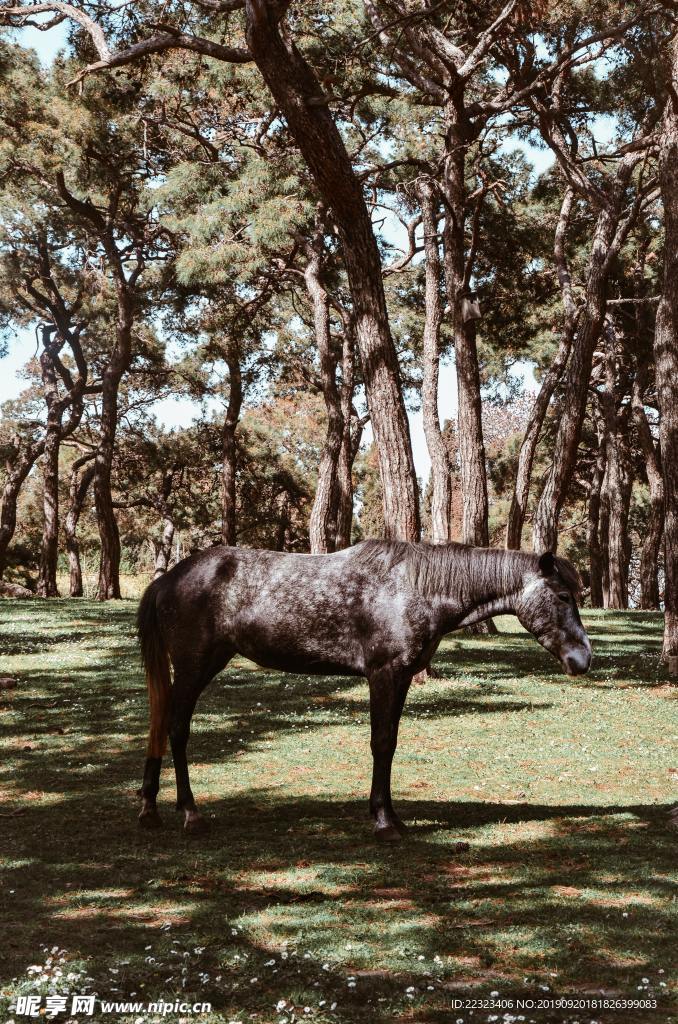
{"x": 149, "y": 817}
{"x": 388, "y": 690}
{"x": 188, "y": 685}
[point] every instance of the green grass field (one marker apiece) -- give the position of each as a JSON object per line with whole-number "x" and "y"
{"x": 288, "y": 910}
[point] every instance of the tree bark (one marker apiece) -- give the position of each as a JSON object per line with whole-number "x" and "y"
{"x": 473, "y": 472}
{"x": 666, "y": 356}
{"x": 651, "y": 547}
{"x": 117, "y": 366}
{"x": 521, "y": 490}
{"x": 163, "y": 547}
{"x": 593, "y": 521}
{"x": 109, "y": 564}
{"x": 610, "y": 232}
{"x": 589, "y": 325}
{"x": 17, "y": 469}
{"x": 79, "y": 486}
{"x": 298, "y": 95}
{"x": 617, "y": 479}
{"x": 229, "y": 465}
{"x": 441, "y": 479}
{"x": 323, "y": 519}
{"x": 348, "y": 449}
{"x": 49, "y": 549}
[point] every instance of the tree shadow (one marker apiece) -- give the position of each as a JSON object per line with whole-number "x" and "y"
{"x": 543, "y": 888}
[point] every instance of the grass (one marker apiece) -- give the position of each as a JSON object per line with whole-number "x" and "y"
{"x": 562, "y": 789}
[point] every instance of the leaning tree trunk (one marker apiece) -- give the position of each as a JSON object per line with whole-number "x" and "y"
{"x": 323, "y": 519}
{"x": 79, "y": 486}
{"x": 666, "y": 357}
{"x": 16, "y": 473}
{"x": 573, "y": 406}
{"x": 298, "y": 95}
{"x": 441, "y": 477}
{"x": 229, "y": 459}
{"x": 521, "y": 489}
{"x": 651, "y": 547}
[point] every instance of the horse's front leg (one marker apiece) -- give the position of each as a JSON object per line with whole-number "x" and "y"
{"x": 388, "y": 690}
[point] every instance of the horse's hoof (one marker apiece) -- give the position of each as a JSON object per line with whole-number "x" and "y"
{"x": 150, "y": 819}
{"x": 195, "y": 824}
{"x": 387, "y": 834}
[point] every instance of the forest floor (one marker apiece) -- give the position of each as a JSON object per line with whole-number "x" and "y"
{"x": 288, "y": 910}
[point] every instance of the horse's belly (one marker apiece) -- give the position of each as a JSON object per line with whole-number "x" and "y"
{"x": 302, "y": 653}
{"x": 302, "y": 664}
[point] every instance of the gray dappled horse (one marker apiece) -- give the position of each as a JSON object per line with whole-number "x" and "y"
{"x": 378, "y": 609}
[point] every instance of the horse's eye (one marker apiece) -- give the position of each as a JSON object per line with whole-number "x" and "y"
{"x": 565, "y": 598}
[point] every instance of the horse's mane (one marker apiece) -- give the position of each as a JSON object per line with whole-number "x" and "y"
{"x": 569, "y": 574}
{"x": 435, "y": 567}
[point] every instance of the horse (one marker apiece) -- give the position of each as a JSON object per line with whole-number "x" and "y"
{"x": 378, "y": 609}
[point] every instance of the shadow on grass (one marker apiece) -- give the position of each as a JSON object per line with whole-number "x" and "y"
{"x": 305, "y": 873}
{"x": 578, "y": 890}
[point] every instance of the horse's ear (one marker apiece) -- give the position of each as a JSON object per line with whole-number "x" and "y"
{"x": 547, "y": 563}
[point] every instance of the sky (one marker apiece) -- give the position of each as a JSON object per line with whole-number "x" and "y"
{"x": 179, "y": 412}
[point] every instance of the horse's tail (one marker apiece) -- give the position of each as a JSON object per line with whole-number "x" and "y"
{"x": 155, "y": 657}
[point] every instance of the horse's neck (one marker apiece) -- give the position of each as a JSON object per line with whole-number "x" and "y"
{"x": 488, "y": 583}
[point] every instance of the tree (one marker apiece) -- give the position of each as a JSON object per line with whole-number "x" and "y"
{"x": 666, "y": 352}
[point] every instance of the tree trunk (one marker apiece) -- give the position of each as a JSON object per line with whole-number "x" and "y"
{"x": 666, "y": 357}
{"x": 348, "y": 450}
{"x": 49, "y": 550}
{"x": 604, "y": 535}
{"x": 618, "y": 475}
{"x": 282, "y": 529}
{"x": 651, "y": 547}
{"x": 118, "y": 364}
{"x": 521, "y": 490}
{"x": 441, "y": 481}
{"x": 109, "y": 565}
{"x": 618, "y": 497}
{"x": 323, "y": 519}
{"x": 473, "y": 473}
{"x": 573, "y": 407}
{"x": 593, "y": 521}
{"x": 229, "y": 465}
{"x": 163, "y": 547}
{"x": 16, "y": 473}
{"x": 610, "y": 231}
{"x": 79, "y": 486}
{"x": 299, "y": 98}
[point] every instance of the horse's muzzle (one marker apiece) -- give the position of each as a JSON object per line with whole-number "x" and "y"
{"x": 577, "y": 663}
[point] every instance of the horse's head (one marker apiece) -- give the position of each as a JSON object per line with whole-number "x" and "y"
{"x": 547, "y": 607}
